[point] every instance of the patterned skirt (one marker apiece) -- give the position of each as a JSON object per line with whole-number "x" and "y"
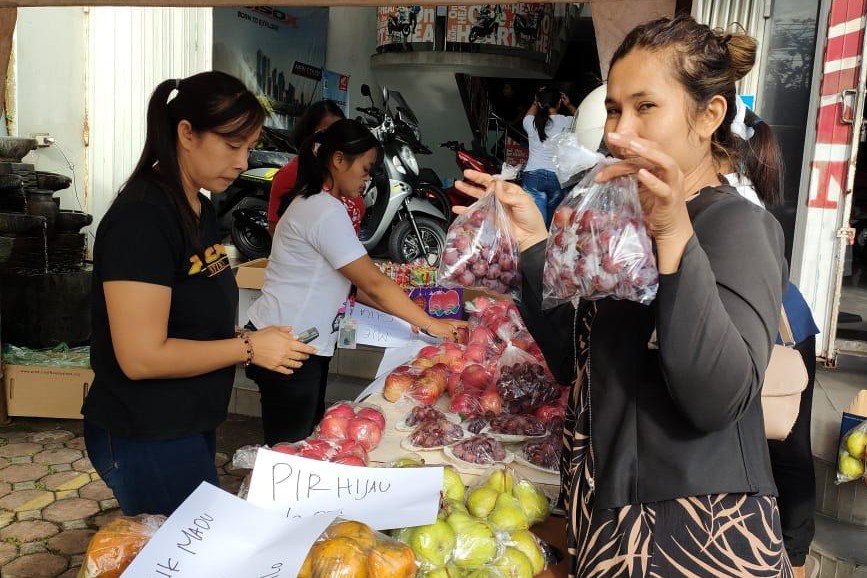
{"x": 724, "y": 535}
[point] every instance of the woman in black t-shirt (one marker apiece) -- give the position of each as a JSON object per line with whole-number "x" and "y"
{"x": 164, "y": 300}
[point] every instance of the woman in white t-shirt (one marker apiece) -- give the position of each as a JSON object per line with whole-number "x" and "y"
{"x": 542, "y": 122}
{"x": 316, "y": 258}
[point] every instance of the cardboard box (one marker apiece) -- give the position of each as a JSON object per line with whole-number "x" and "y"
{"x": 44, "y": 391}
{"x": 250, "y": 277}
{"x": 854, "y": 414}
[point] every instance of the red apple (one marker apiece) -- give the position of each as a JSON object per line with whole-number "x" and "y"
{"x": 476, "y": 353}
{"x": 426, "y": 391}
{"x": 491, "y": 401}
{"x": 284, "y": 448}
{"x": 465, "y": 405}
{"x": 429, "y": 351}
{"x": 396, "y": 384}
{"x": 349, "y": 461}
{"x": 333, "y": 427}
{"x": 481, "y": 336}
{"x": 365, "y": 432}
{"x": 373, "y": 415}
{"x": 422, "y": 362}
{"x": 475, "y": 376}
{"x": 341, "y": 410}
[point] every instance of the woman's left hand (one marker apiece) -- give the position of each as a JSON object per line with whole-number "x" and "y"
{"x": 661, "y": 192}
{"x": 448, "y": 329}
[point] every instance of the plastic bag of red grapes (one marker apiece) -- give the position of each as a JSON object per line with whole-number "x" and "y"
{"x": 524, "y": 382}
{"x": 598, "y": 245}
{"x": 480, "y": 251}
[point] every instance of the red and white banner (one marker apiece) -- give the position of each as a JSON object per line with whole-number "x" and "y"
{"x": 526, "y": 26}
{"x": 404, "y": 24}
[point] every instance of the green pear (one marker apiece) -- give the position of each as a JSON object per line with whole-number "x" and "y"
{"x": 433, "y": 544}
{"x": 439, "y": 572}
{"x": 488, "y": 572}
{"x": 453, "y": 485}
{"x": 501, "y": 480}
{"x": 476, "y": 543}
{"x": 514, "y": 564}
{"x": 526, "y": 542}
{"x": 507, "y": 515}
{"x": 856, "y": 443}
{"x": 850, "y": 467}
{"x": 407, "y": 462}
{"x": 449, "y": 507}
{"x": 534, "y": 503}
{"x": 481, "y": 500}
{"x": 402, "y": 534}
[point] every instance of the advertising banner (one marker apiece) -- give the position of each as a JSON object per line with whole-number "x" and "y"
{"x": 335, "y": 86}
{"x": 267, "y": 47}
{"x": 526, "y": 26}
{"x": 404, "y": 24}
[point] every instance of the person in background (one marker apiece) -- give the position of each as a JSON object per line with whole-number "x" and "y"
{"x": 164, "y": 346}
{"x": 792, "y": 458}
{"x": 543, "y": 121}
{"x": 318, "y": 116}
{"x": 315, "y": 259}
{"x": 671, "y": 476}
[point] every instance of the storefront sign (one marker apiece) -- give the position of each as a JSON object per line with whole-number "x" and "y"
{"x": 307, "y": 71}
{"x": 214, "y": 533}
{"x": 405, "y": 24}
{"x": 382, "y": 498}
{"x": 527, "y": 26}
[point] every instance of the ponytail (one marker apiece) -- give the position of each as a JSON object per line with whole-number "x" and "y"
{"x": 547, "y": 99}
{"x": 761, "y": 161}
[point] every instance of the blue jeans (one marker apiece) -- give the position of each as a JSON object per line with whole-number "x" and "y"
{"x": 151, "y": 477}
{"x": 544, "y": 187}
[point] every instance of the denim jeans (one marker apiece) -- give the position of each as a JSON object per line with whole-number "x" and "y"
{"x": 544, "y": 187}
{"x": 151, "y": 477}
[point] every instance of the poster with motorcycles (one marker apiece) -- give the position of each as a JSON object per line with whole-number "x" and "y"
{"x": 526, "y": 26}
{"x": 404, "y": 24}
{"x": 262, "y": 44}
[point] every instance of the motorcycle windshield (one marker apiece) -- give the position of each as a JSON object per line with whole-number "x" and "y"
{"x": 403, "y": 110}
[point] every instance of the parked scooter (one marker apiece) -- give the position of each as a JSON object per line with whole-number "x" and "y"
{"x": 526, "y": 25}
{"x": 406, "y": 216}
{"x": 476, "y": 160}
{"x": 242, "y": 209}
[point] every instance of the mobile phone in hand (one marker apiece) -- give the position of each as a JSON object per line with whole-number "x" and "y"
{"x": 308, "y": 335}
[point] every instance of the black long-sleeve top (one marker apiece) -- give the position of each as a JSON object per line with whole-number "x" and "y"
{"x": 684, "y": 419}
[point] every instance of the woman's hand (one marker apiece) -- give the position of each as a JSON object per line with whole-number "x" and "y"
{"x": 661, "y": 192}
{"x": 526, "y": 223}
{"x": 277, "y": 349}
{"x": 448, "y": 329}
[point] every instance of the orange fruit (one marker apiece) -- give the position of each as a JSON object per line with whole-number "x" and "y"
{"x": 391, "y": 559}
{"x": 338, "y": 558}
{"x": 361, "y": 533}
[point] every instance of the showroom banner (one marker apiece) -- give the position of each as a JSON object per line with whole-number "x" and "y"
{"x": 335, "y": 86}
{"x": 266, "y": 47}
{"x": 404, "y": 24}
{"x": 526, "y": 26}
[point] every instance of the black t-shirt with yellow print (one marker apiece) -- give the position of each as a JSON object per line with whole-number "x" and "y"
{"x": 141, "y": 239}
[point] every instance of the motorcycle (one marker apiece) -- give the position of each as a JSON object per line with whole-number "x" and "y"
{"x": 476, "y": 160}
{"x": 485, "y": 26}
{"x": 407, "y": 211}
{"x": 397, "y": 26}
{"x": 526, "y": 26}
{"x": 242, "y": 209}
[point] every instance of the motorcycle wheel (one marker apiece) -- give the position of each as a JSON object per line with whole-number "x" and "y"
{"x": 404, "y": 246}
{"x": 473, "y": 36}
{"x": 251, "y": 242}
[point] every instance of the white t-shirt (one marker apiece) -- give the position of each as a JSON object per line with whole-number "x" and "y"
{"x": 542, "y": 153}
{"x": 744, "y": 186}
{"x": 303, "y": 287}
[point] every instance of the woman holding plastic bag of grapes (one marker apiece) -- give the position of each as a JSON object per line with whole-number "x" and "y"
{"x": 671, "y": 477}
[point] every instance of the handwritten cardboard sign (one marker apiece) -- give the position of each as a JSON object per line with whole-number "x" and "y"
{"x": 383, "y": 498}
{"x": 214, "y": 533}
{"x": 383, "y": 330}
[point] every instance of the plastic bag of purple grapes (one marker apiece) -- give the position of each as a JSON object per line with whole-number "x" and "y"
{"x": 480, "y": 251}
{"x": 523, "y": 382}
{"x": 598, "y": 245}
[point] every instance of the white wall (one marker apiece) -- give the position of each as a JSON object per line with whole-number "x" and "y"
{"x": 351, "y": 43}
{"x": 51, "y": 63}
{"x": 131, "y": 51}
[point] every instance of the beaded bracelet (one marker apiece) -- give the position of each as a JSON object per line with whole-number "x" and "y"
{"x": 245, "y": 336}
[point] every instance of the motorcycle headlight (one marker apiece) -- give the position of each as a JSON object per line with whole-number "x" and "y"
{"x": 395, "y": 160}
{"x": 408, "y": 158}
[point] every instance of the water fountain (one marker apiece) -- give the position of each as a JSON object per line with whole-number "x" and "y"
{"x": 44, "y": 283}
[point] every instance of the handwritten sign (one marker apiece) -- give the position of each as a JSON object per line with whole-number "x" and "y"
{"x": 214, "y": 533}
{"x": 384, "y": 330}
{"x": 383, "y": 498}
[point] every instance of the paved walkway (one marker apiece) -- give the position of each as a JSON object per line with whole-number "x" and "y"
{"x": 52, "y": 501}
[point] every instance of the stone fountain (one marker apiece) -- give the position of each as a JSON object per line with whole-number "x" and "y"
{"x": 44, "y": 283}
